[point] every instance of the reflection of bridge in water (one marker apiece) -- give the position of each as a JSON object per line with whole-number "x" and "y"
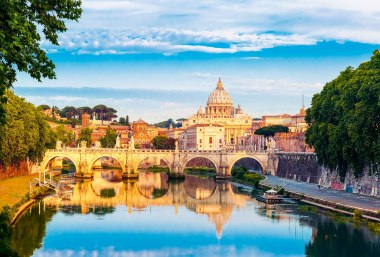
{"x": 203, "y": 196}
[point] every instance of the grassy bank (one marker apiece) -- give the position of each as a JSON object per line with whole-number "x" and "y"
{"x": 203, "y": 172}
{"x": 12, "y": 190}
{"x": 242, "y": 176}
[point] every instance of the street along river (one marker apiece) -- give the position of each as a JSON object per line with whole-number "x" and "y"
{"x": 195, "y": 217}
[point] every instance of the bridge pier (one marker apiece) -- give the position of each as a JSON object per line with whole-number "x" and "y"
{"x": 84, "y": 171}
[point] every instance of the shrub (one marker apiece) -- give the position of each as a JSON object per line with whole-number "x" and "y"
{"x": 358, "y": 214}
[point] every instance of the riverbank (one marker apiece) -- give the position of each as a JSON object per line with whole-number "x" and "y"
{"x": 12, "y": 190}
{"x": 333, "y": 200}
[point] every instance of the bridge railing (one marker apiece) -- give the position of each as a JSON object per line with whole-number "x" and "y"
{"x": 125, "y": 150}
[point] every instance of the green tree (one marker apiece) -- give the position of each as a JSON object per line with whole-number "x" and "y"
{"x": 68, "y": 112}
{"x": 269, "y": 131}
{"x": 109, "y": 140}
{"x": 122, "y": 121}
{"x": 64, "y": 135}
{"x": 127, "y": 121}
{"x": 23, "y": 24}
{"x": 163, "y": 142}
{"x": 82, "y": 110}
{"x": 26, "y": 133}
{"x": 43, "y": 107}
{"x": 100, "y": 109}
{"x": 344, "y": 120}
{"x": 85, "y": 135}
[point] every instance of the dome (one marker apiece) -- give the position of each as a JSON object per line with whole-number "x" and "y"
{"x": 219, "y": 96}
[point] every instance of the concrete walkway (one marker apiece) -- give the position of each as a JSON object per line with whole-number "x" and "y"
{"x": 340, "y": 197}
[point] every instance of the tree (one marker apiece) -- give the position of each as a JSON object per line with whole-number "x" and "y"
{"x": 26, "y": 133}
{"x": 64, "y": 135}
{"x": 100, "y": 109}
{"x": 85, "y": 135}
{"x": 344, "y": 120}
{"x": 82, "y": 110}
{"x": 43, "y": 107}
{"x": 23, "y": 24}
{"x": 68, "y": 112}
{"x": 269, "y": 131}
{"x": 109, "y": 140}
{"x": 163, "y": 142}
{"x": 122, "y": 121}
{"x": 127, "y": 120}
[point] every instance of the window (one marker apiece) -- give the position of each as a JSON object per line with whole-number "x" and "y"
{"x": 220, "y": 141}
{"x": 200, "y": 141}
{"x": 210, "y": 140}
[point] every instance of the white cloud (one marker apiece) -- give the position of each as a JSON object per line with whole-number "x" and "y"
{"x": 171, "y": 41}
{"x": 173, "y": 26}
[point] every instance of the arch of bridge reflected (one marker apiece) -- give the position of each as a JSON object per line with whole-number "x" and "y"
{"x": 199, "y": 193}
{"x": 159, "y": 181}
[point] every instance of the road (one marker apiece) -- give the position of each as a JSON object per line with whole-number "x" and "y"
{"x": 342, "y": 197}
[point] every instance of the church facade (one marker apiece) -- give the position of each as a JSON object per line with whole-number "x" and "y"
{"x": 219, "y": 112}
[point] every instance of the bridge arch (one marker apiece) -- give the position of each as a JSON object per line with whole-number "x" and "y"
{"x": 94, "y": 160}
{"x": 161, "y": 158}
{"x": 235, "y": 160}
{"x": 44, "y": 165}
{"x": 186, "y": 161}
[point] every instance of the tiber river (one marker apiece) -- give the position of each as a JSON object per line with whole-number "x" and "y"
{"x": 195, "y": 217}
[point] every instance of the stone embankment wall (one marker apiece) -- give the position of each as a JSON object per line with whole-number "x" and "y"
{"x": 304, "y": 167}
{"x": 14, "y": 170}
{"x": 299, "y": 166}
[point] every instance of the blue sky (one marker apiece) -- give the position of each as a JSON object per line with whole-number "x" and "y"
{"x": 160, "y": 59}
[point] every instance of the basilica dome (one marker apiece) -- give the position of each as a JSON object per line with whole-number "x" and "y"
{"x": 219, "y": 96}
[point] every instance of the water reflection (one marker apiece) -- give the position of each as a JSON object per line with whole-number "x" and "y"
{"x": 196, "y": 217}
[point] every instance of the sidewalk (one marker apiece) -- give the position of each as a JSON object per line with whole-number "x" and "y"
{"x": 339, "y": 197}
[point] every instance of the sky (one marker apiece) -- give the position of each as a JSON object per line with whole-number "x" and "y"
{"x": 160, "y": 59}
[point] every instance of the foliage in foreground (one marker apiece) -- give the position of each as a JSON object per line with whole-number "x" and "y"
{"x": 344, "y": 120}
{"x": 23, "y": 24}
{"x": 25, "y": 132}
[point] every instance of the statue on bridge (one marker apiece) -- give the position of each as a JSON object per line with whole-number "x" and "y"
{"x": 131, "y": 144}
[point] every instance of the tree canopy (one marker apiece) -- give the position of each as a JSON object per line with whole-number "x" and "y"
{"x": 23, "y": 24}
{"x": 64, "y": 135}
{"x": 344, "y": 119}
{"x": 25, "y": 132}
{"x": 167, "y": 123}
{"x": 269, "y": 131}
{"x": 85, "y": 135}
{"x": 109, "y": 140}
{"x": 163, "y": 142}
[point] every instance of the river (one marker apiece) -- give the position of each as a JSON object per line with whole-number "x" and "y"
{"x": 195, "y": 217}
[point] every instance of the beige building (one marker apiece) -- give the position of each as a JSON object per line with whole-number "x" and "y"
{"x": 203, "y": 137}
{"x": 220, "y": 111}
{"x": 282, "y": 119}
{"x": 298, "y": 123}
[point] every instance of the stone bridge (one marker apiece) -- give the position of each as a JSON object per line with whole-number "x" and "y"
{"x": 176, "y": 160}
